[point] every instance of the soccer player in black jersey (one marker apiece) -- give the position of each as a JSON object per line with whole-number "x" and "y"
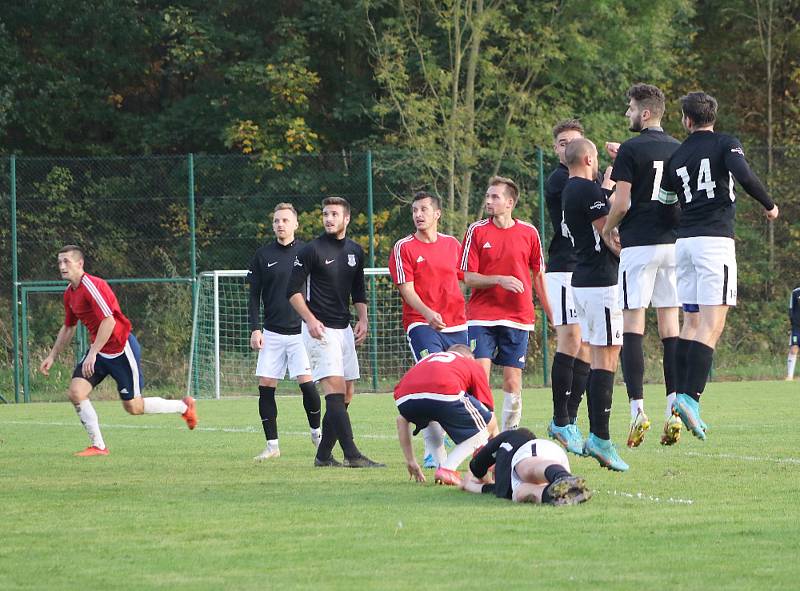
{"x": 794, "y": 338}
{"x": 333, "y": 265}
{"x": 699, "y": 176}
{"x": 279, "y": 343}
{"x": 571, "y": 362}
{"x": 594, "y": 287}
{"x": 647, "y": 259}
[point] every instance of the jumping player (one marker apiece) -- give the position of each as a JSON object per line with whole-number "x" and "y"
{"x": 699, "y": 176}
{"x": 498, "y": 256}
{"x": 424, "y": 266}
{"x": 794, "y": 339}
{"x": 278, "y": 340}
{"x": 114, "y": 351}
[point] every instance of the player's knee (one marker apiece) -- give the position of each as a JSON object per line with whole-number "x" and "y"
{"x": 134, "y": 406}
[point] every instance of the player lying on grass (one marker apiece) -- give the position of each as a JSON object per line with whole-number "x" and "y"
{"x": 450, "y": 388}
{"x": 114, "y": 351}
{"x": 527, "y": 470}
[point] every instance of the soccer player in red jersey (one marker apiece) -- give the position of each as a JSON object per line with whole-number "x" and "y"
{"x": 424, "y": 266}
{"x": 450, "y": 388}
{"x": 114, "y": 351}
{"x": 498, "y": 255}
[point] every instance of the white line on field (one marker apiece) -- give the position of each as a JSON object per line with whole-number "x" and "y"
{"x": 744, "y": 458}
{"x": 645, "y": 497}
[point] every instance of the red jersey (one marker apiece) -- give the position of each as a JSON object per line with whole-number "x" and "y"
{"x": 490, "y": 250}
{"x": 91, "y": 302}
{"x": 446, "y": 374}
{"x": 433, "y": 267}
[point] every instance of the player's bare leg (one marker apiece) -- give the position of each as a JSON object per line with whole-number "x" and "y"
{"x": 546, "y": 481}
{"x": 79, "y": 390}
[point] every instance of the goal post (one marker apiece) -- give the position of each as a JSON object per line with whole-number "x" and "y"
{"x": 221, "y": 362}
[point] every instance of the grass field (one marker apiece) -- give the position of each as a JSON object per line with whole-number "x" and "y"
{"x": 174, "y": 509}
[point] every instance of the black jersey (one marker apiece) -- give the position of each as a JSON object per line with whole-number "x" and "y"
{"x": 640, "y": 162}
{"x": 794, "y": 308}
{"x": 560, "y": 254}
{"x": 701, "y": 173}
{"x": 498, "y": 453}
{"x": 584, "y": 202}
{"x": 335, "y": 272}
{"x": 268, "y": 277}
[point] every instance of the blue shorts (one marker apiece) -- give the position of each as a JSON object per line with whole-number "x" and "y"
{"x": 126, "y": 369}
{"x": 460, "y": 416}
{"x": 505, "y": 346}
{"x": 794, "y": 339}
{"x": 691, "y": 308}
{"x": 424, "y": 340}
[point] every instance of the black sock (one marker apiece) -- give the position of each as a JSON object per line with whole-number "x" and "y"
{"x": 670, "y": 367}
{"x": 701, "y": 357}
{"x": 329, "y": 438}
{"x": 561, "y": 382}
{"x": 311, "y": 403}
{"x": 555, "y": 471}
{"x": 601, "y": 388}
{"x": 633, "y": 364}
{"x": 268, "y": 411}
{"x": 682, "y": 365}
{"x": 335, "y": 406}
{"x": 580, "y": 380}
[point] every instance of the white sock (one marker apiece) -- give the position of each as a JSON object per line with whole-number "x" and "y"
{"x": 464, "y": 449}
{"x": 791, "y": 360}
{"x": 155, "y": 405}
{"x": 88, "y": 417}
{"x": 636, "y": 406}
{"x": 512, "y": 411}
{"x": 272, "y": 444}
{"x": 670, "y": 401}
{"x": 433, "y": 436}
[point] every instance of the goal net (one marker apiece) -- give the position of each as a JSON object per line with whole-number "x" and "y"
{"x": 223, "y": 364}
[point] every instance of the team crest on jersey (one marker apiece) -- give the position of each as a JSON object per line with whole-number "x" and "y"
{"x": 351, "y": 260}
{"x": 738, "y": 150}
{"x": 297, "y": 262}
{"x": 487, "y": 244}
{"x": 420, "y": 259}
{"x": 597, "y": 205}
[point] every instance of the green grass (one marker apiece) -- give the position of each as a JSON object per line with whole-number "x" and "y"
{"x": 173, "y": 509}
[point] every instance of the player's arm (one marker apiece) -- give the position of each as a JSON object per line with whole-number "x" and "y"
{"x": 254, "y": 305}
{"x": 404, "y": 435}
{"x": 737, "y": 165}
{"x": 486, "y": 457}
{"x": 63, "y": 338}
{"x": 104, "y": 332}
{"x": 613, "y": 240}
{"x": 295, "y": 291}
{"x": 480, "y": 281}
{"x": 541, "y": 293}
{"x": 359, "y": 296}
{"x": 475, "y": 485}
{"x": 410, "y": 297}
{"x": 620, "y": 206}
{"x": 360, "y": 330}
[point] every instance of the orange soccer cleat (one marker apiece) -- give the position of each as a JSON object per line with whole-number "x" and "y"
{"x": 448, "y": 477}
{"x": 92, "y": 451}
{"x": 190, "y": 416}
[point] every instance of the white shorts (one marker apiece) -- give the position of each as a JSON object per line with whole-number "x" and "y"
{"x": 559, "y": 292}
{"x": 706, "y": 270}
{"x": 600, "y": 315}
{"x": 332, "y": 355}
{"x": 545, "y": 448}
{"x": 282, "y": 351}
{"x": 647, "y": 277}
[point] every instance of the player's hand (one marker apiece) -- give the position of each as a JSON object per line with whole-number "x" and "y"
{"x": 45, "y": 366}
{"x": 87, "y": 369}
{"x": 415, "y": 472}
{"x": 435, "y": 320}
{"x": 511, "y": 283}
{"x": 772, "y": 213}
{"x": 611, "y": 149}
{"x": 256, "y": 340}
{"x": 316, "y": 329}
{"x": 360, "y": 331}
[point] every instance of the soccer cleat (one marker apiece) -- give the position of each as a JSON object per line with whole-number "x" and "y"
{"x": 429, "y": 462}
{"x": 92, "y": 451}
{"x": 672, "y": 430}
{"x": 639, "y": 427}
{"x": 688, "y": 409}
{"x": 329, "y": 463}
{"x": 361, "y": 462}
{"x": 604, "y": 452}
{"x": 190, "y": 416}
{"x": 568, "y": 490}
{"x": 569, "y": 436}
{"x": 268, "y": 454}
{"x": 447, "y": 477}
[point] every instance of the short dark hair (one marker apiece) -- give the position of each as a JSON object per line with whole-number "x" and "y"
{"x": 648, "y": 97}
{"x": 700, "y": 107}
{"x": 567, "y": 125}
{"x": 337, "y": 201}
{"x": 72, "y": 248}
{"x": 420, "y": 195}
{"x": 512, "y": 186}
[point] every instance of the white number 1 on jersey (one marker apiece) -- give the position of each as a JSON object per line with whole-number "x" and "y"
{"x": 704, "y": 180}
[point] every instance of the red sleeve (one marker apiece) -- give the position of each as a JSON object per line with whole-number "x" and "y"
{"x": 101, "y": 297}
{"x": 69, "y": 318}
{"x": 403, "y": 265}
{"x": 469, "y": 251}
{"x": 480, "y": 386}
{"x": 457, "y": 246}
{"x": 536, "y": 261}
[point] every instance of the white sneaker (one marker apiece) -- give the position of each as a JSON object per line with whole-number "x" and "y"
{"x": 268, "y": 454}
{"x": 316, "y": 436}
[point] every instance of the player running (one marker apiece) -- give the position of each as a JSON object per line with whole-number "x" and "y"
{"x": 424, "y": 266}
{"x": 114, "y": 351}
{"x": 699, "y": 176}
{"x": 498, "y": 256}
{"x": 278, "y": 339}
{"x": 647, "y": 259}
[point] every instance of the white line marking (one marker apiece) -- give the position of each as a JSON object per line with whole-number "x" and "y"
{"x": 743, "y": 458}
{"x": 644, "y": 497}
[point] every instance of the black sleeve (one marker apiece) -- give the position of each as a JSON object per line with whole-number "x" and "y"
{"x": 794, "y": 310}
{"x": 359, "y": 292}
{"x": 595, "y": 202}
{"x": 254, "y": 301}
{"x": 623, "y": 166}
{"x": 485, "y": 458}
{"x": 488, "y": 489}
{"x": 300, "y": 270}
{"x": 736, "y": 163}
